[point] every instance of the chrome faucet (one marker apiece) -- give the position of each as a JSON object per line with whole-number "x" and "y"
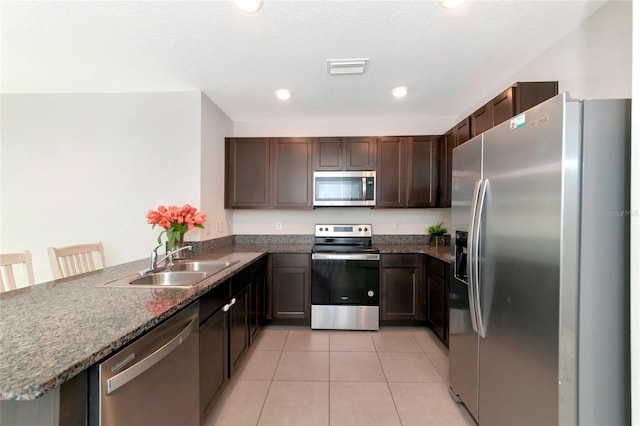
{"x": 153, "y": 262}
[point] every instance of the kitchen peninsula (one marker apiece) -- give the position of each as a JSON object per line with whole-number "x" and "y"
{"x": 53, "y": 332}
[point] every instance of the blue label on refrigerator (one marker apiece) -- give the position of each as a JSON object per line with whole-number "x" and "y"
{"x": 517, "y": 121}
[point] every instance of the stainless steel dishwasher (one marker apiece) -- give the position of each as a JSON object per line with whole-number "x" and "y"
{"x": 153, "y": 381}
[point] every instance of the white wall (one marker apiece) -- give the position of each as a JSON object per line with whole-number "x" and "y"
{"x": 635, "y": 228}
{"x": 384, "y": 221}
{"x": 592, "y": 61}
{"x": 369, "y": 126}
{"x": 77, "y": 168}
{"x": 216, "y": 125}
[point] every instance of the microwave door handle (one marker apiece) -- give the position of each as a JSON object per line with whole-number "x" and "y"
{"x": 364, "y": 189}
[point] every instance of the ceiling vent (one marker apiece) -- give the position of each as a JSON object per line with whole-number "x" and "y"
{"x": 347, "y": 66}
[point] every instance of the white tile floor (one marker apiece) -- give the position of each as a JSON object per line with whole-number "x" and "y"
{"x": 297, "y": 376}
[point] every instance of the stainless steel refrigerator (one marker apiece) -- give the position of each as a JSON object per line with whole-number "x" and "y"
{"x": 539, "y": 302}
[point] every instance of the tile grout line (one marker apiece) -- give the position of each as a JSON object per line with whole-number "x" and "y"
{"x": 386, "y": 380}
{"x": 271, "y": 382}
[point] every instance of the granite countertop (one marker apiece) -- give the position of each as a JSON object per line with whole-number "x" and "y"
{"x": 52, "y": 331}
{"x": 442, "y": 253}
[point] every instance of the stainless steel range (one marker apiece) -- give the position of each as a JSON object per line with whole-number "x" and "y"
{"x": 345, "y": 278}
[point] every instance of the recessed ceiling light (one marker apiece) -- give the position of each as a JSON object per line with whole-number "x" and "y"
{"x": 283, "y": 94}
{"x": 399, "y": 92}
{"x": 249, "y": 6}
{"x": 450, "y": 4}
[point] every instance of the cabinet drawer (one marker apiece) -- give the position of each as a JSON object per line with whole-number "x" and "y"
{"x": 401, "y": 260}
{"x": 437, "y": 267}
{"x": 289, "y": 260}
{"x": 214, "y": 300}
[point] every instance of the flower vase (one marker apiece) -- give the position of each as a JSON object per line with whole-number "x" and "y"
{"x": 178, "y": 244}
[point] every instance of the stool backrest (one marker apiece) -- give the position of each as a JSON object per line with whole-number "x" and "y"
{"x": 7, "y": 274}
{"x": 74, "y": 260}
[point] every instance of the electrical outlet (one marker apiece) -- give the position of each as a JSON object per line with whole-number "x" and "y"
{"x": 278, "y": 226}
{"x": 207, "y": 228}
{"x": 219, "y": 227}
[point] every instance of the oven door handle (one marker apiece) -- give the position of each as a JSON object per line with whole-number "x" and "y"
{"x": 345, "y": 256}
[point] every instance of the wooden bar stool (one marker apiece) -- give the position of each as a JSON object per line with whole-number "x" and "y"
{"x": 74, "y": 260}
{"x": 7, "y": 276}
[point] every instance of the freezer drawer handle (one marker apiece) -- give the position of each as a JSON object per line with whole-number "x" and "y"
{"x": 138, "y": 368}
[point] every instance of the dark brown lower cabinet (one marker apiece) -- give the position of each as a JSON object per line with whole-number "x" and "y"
{"x": 238, "y": 328}
{"x": 257, "y": 300}
{"x": 402, "y": 288}
{"x": 213, "y": 359}
{"x": 289, "y": 287}
{"x": 214, "y": 338}
{"x": 438, "y": 299}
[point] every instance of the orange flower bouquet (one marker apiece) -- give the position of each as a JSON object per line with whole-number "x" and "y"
{"x": 176, "y": 222}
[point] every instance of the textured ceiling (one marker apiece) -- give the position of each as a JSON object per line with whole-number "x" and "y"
{"x": 238, "y": 60}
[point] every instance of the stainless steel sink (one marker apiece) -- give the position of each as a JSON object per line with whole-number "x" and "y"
{"x": 183, "y": 274}
{"x": 170, "y": 278}
{"x": 208, "y": 266}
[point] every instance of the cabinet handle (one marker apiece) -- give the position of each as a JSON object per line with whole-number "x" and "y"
{"x": 228, "y": 306}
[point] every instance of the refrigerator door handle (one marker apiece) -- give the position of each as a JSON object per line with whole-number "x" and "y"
{"x": 477, "y": 255}
{"x": 470, "y": 257}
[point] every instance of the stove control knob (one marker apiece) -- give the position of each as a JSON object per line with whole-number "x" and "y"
{"x": 365, "y": 229}
{"x": 360, "y": 229}
{"x": 326, "y": 229}
{"x": 370, "y": 293}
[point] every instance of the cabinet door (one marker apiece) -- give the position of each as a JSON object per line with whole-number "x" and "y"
{"x": 360, "y": 153}
{"x": 531, "y": 93}
{"x": 502, "y": 106}
{"x": 422, "y": 171}
{"x": 462, "y": 132}
{"x": 436, "y": 309}
{"x": 446, "y": 155}
{"x": 238, "y": 329}
{"x": 402, "y": 296}
{"x": 213, "y": 359}
{"x": 247, "y": 173}
{"x": 290, "y": 286}
{"x": 291, "y": 164}
{"x": 482, "y": 119}
{"x": 390, "y": 177}
{"x": 328, "y": 154}
{"x": 256, "y": 319}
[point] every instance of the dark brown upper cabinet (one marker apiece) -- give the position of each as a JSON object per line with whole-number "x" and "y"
{"x": 291, "y": 185}
{"x": 462, "y": 131}
{"x": 520, "y": 97}
{"x": 422, "y": 171}
{"x": 247, "y": 173}
{"x": 344, "y": 153}
{"x": 407, "y": 171}
{"x": 458, "y": 135}
{"x": 482, "y": 119}
{"x": 268, "y": 173}
{"x": 390, "y": 173}
{"x": 516, "y": 99}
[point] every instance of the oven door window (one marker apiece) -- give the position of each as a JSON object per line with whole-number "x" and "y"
{"x": 345, "y": 282}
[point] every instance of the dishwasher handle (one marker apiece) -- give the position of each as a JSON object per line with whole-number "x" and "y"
{"x": 138, "y": 368}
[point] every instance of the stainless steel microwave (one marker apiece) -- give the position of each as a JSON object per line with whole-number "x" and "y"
{"x": 356, "y": 188}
